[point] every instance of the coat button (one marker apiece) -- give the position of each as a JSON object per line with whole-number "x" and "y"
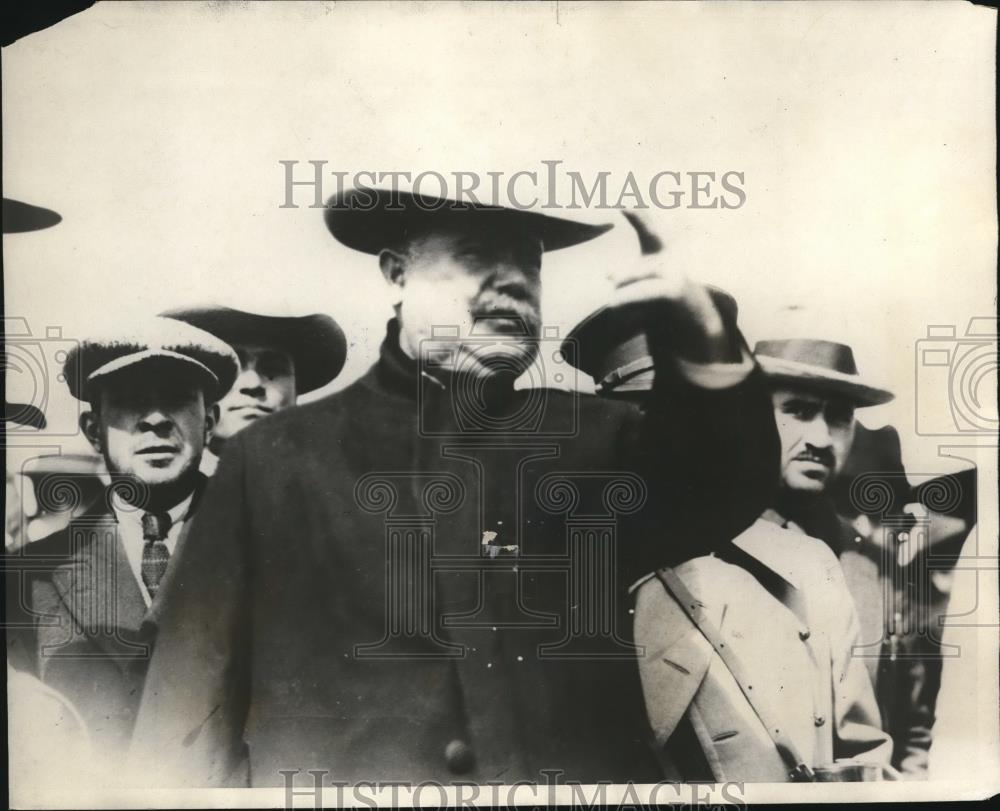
{"x": 819, "y": 720}
{"x": 804, "y": 634}
{"x": 458, "y": 755}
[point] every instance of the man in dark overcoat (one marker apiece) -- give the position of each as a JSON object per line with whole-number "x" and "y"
{"x": 422, "y": 577}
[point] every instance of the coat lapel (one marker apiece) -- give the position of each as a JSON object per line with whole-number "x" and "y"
{"x": 99, "y": 589}
{"x": 675, "y": 657}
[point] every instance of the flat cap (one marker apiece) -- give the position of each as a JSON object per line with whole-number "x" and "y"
{"x": 152, "y": 340}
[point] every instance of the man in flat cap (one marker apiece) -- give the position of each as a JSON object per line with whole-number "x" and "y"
{"x": 281, "y": 358}
{"x": 389, "y": 583}
{"x": 748, "y": 672}
{"x": 92, "y": 588}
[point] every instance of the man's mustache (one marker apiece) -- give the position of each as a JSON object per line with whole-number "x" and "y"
{"x": 507, "y": 305}
{"x": 823, "y": 456}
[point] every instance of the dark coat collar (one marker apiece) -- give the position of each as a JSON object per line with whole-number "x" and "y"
{"x": 398, "y": 373}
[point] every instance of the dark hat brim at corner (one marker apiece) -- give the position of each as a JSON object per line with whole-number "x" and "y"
{"x": 20, "y": 218}
{"x": 370, "y": 220}
{"x": 316, "y": 343}
{"x": 24, "y": 414}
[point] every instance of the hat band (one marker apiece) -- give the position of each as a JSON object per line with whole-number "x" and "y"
{"x": 617, "y": 376}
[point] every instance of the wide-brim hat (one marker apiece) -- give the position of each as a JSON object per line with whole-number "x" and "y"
{"x": 23, "y": 414}
{"x": 611, "y": 344}
{"x": 19, "y": 218}
{"x": 370, "y": 220}
{"x": 164, "y": 341}
{"x": 823, "y": 366}
{"x": 316, "y": 343}
{"x": 876, "y": 459}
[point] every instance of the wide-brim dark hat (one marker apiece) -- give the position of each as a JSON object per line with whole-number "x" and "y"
{"x": 166, "y": 342}
{"x": 24, "y": 414}
{"x": 316, "y": 343}
{"x": 370, "y": 220}
{"x": 823, "y": 366}
{"x": 19, "y": 218}
{"x": 876, "y": 458}
{"x": 611, "y": 344}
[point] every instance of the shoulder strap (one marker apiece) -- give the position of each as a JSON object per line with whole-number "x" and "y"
{"x": 799, "y": 770}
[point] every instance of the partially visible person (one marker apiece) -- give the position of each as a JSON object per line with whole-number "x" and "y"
{"x": 90, "y": 590}
{"x": 63, "y": 486}
{"x": 20, "y": 504}
{"x": 43, "y": 727}
{"x": 47, "y": 738}
{"x": 966, "y": 746}
{"x": 748, "y": 673}
{"x": 281, "y": 358}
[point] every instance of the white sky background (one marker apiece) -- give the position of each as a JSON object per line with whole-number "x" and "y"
{"x": 865, "y": 132}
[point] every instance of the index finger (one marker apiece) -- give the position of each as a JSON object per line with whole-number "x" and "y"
{"x": 649, "y": 241}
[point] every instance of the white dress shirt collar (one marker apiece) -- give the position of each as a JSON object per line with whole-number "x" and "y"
{"x": 130, "y": 532}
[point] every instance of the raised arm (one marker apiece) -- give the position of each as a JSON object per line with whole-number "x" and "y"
{"x": 708, "y": 446}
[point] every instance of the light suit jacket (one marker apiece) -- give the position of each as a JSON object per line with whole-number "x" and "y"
{"x": 801, "y": 671}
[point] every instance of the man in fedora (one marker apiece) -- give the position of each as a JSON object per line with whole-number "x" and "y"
{"x": 281, "y": 358}
{"x": 816, "y": 390}
{"x": 378, "y": 582}
{"x": 748, "y": 673}
{"x": 94, "y": 589}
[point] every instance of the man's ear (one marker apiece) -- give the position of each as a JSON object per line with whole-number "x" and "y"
{"x": 90, "y": 425}
{"x": 212, "y": 414}
{"x": 393, "y": 266}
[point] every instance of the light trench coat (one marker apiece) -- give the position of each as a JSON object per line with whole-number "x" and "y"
{"x": 800, "y": 669}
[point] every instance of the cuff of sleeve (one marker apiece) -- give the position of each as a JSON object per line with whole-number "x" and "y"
{"x": 717, "y": 375}
{"x": 634, "y": 587}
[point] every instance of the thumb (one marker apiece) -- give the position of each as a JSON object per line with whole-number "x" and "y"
{"x": 649, "y": 241}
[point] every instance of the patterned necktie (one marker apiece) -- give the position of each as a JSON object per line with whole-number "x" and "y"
{"x": 155, "y": 555}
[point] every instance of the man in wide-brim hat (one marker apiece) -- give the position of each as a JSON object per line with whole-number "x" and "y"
{"x": 281, "y": 358}
{"x": 816, "y": 390}
{"x": 294, "y": 625}
{"x": 810, "y": 695}
{"x": 92, "y": 590}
